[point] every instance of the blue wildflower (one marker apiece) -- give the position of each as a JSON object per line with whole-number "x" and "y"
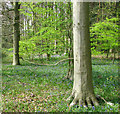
{"x": 93, "y": 108}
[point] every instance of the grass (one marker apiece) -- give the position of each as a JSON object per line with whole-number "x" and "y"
{"x": 33, "y": 88}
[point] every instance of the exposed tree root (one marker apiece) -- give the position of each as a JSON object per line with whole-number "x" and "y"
{"x": 85, "y": 101}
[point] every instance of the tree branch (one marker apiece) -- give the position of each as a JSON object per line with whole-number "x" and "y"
{"x": 49, "y": 64}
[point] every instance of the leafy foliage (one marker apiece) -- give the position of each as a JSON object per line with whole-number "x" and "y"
{"x": 104, "y": 35}
{"x": 47, "y": 34}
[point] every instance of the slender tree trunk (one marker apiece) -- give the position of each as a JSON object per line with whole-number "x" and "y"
{"x": 107, "y": 53}
{"x": 16, "y": 37}
{"x": 83, "y": 87}
{"x": 34, "y": 20}
{"x": 70, "y": 74}
{"x": 114, "y": 55}
{"x": 113, "y": 58}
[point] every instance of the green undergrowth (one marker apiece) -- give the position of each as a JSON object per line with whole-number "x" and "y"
{"x": 35, "y": 88}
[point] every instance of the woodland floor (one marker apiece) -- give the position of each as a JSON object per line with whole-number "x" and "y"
{"x": 34, "y": 88}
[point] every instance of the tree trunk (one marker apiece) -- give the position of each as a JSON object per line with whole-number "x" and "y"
{"x": 82, "y": 88}
{"x": 107, "y": 53}
{"x": 113, "y": 56}
{"x": 16, "y": 37}
{"x": 48, "y": 56}
{"x": 70, "y": 74}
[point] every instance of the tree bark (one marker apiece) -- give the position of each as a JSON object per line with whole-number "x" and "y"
{"x": 70, "y": 74}
{"x": 83, "y": 87}
{"x": 16, "y": 37}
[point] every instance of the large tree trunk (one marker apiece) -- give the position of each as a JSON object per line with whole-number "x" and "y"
{"x": 82, "y": 88}
{"x": 16, "y": 37}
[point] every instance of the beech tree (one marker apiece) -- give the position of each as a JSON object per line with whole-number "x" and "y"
{"x": 16, "y": 37}
{"x": 83, "y": 91}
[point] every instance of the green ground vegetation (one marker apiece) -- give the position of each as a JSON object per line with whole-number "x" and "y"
{"x": 34, "y": 88}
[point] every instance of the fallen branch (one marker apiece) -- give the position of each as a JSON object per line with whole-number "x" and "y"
{"x": 48, "y": 64}
{"x": 109, "y": 103}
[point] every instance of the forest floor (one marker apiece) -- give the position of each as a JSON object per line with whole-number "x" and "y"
{"x": 35, "y": 88}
